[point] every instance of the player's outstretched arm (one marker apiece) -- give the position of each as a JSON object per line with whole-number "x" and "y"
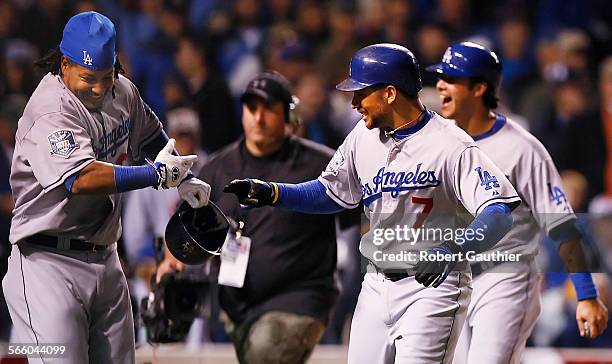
{"x": 308, "y": 197}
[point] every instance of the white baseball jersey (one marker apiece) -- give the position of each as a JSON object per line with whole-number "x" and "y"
{"x": 432, "y": 178}
{"x": 527, "y": 164}
{"x": 56, "y": 138}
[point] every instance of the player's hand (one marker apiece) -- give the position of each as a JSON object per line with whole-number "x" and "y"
{"x": 172, "y": 169}
{"x": 195, "y": 191}
{"x": 595, "y": 314}
{"x": 168, "y": 265}
{"x": 435, "y": 272}
{"x": 252, "y": 192}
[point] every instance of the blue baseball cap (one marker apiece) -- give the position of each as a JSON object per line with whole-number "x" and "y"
{"x": 89, "y": 41}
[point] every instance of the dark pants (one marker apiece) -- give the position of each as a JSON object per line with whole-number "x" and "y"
{"x": 275, "y": 338}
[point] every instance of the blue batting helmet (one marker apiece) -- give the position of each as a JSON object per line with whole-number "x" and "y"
{"x": 383, "y": 63}
{"x": 468, "y": 59}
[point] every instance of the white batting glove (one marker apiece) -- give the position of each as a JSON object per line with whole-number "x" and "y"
{"x": 195, "y": 191}
{"x": 172, "y": 169}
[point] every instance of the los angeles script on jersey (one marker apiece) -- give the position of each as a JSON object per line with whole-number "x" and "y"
{"x": 111, "y": 141}
{"x": 394, "y": 182}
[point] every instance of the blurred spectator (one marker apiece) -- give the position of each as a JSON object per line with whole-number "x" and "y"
{"x": 337, "y": 51}
{"x": 396, "y": 25}
{"x": 516, "y": 56}
{"x": 18, "y": 77}
{"x": 573, "y": 45}
{"x": 9, "y": 20}
{"x": 570, "y": 100}
{"x": 456, "y": 16}
{"x": 587, "y": 142}
{"x": 431, "y": 42}
{"x": 535, "y": 101}
{"x": 43, "y": 21}
{"x": 279, "y": 11}
{"x": 209, "y": 96}
{"x": 314, "y": 110}
{"x": 287, "y": 54}
{"x": 238, "y": 53}
{"x": 312, "y": 22}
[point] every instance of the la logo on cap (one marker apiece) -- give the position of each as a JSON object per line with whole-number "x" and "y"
{"x": 87, "y": 58}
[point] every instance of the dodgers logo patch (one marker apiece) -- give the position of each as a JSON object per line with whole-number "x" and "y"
{"x": 62, "y": 143}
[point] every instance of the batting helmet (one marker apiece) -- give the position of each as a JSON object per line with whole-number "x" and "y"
{"x": 383, "y": 63}
{"x": 194, "y": 235}
{"x": 468, "y": 59}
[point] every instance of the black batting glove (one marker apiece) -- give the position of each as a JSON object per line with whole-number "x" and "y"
{"x": 253, "y": 192}
{"x": 435, "y": 272}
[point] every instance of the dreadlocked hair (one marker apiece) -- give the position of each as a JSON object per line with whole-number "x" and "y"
{"x": 51, "y": 62}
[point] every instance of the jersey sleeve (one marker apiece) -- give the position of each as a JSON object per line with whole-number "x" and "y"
{"x": 56, "y": 147}
{"x": 478, "y": 182}
{"x": 145, "y": 124}
{"x": 340, "y": 176}
{"x": 543, "y": 193}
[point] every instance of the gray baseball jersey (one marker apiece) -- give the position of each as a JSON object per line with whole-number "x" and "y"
{"x": 527, "y": 164}
{"x": 513, "y": 289}
{"x": 56, "y": 138}
{"x": 427, "y": 179}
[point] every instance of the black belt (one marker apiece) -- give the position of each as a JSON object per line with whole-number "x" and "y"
{"x": 394, "y": 277}
{"x": 55, "y": 242}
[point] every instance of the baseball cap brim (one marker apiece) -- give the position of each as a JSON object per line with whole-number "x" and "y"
{"x": 260, "y": 93}
{"x": 351, "y": 85}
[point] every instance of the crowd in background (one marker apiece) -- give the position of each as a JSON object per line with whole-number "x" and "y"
{"x": 200, "y": 55}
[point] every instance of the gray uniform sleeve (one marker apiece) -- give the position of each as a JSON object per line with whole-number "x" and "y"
{"x": 543, "y": 193}
{"x": 56, "y": 147}
{"x": 478, "y": 182}
{"x": 145, "y": 124}
{"x": 340, "y": 176}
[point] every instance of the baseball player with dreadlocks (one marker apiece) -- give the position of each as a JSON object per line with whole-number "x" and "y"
{"x": 83, "y": 122}
{"x": 505, "y": 298}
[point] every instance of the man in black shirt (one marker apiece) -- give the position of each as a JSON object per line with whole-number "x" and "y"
{"x": 281, "y": 310}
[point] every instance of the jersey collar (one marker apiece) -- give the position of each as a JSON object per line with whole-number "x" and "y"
{"x": 500, "y": 121}
{"x": 403, "y": 133}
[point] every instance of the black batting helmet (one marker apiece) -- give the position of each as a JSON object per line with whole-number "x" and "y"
{"x": 194, "y": 235}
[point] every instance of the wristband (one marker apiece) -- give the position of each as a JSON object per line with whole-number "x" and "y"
{"x": 129, "y": 178}
{"x": 583, "y": 283}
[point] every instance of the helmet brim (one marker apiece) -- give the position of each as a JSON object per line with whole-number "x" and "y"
{"x": 351, "y": 85}
{"x": 447, "y": 69}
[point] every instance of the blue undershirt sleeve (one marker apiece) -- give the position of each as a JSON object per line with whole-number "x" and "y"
{"x": 490, "y": 226}
{"x": 308, "y": 197}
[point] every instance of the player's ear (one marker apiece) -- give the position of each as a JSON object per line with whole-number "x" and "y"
{"x": 479, "y": 89}
{"x": 64, "y": 64}
{"x": 390, "y": 94}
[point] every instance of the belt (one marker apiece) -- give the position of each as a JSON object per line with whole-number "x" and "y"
{"x": 392, "y": 276}
{"x": 64, "y": 243}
